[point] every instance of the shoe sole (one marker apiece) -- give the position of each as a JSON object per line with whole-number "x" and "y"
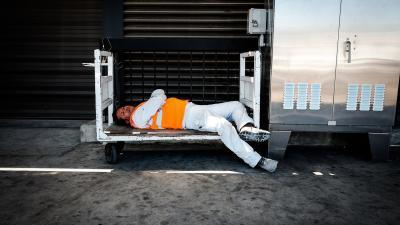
{"x": 257, "y": 137}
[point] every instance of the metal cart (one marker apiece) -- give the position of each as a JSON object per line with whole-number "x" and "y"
{"x": 115, "y": 136}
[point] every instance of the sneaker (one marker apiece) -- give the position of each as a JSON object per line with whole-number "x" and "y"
{"x": 268, "y": 164}
{"x": 254, "y": 134}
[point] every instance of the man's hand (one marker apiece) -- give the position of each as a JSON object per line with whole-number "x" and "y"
{"x": 157, "y": 93}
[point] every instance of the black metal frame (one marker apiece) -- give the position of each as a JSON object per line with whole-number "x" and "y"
{"x": 180, "y": 44}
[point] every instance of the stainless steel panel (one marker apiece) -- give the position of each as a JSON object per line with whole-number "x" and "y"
{"x": 372, "y": 29}
{"x": 304, "y": 54}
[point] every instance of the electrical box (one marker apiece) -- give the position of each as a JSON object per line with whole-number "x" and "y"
{"x": 257, "y": 21}
{"x": 334, "y": 73}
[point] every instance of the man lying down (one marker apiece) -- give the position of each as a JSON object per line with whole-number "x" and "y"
{"x": 160, "y": 112}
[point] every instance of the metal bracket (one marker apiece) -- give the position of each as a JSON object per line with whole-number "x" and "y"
{"x": 104, "y": 89}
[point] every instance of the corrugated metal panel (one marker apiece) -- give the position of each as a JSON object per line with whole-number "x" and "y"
{"x": 201, "y": 76}
{"x": 45, "y": 43}
{"x": 180, "y": 18}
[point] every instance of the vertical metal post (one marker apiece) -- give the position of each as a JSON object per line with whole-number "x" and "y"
{"x": 97, "y": 76}
{"x": 242, "y": 71}
{"x": 253, "y": 82}
{"x": 257, "y": 91}
{"x": 379, "y": 144}
{"x": 110, "y": 84}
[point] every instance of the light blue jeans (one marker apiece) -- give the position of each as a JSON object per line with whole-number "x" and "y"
{"x": 217, "y": 118}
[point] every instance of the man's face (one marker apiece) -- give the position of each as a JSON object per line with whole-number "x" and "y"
{"x": 124, "y": 113}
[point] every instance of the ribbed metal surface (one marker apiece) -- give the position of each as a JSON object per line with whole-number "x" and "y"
{"x": 200, "y": 76}
{"x": 180, "y": 18}
{"x": 44, "y": 44}
{"x": 209, "y": 74}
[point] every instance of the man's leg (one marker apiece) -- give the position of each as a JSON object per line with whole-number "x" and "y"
{"x": 235, "y": 111}
{"x": 231, "y": 111}
{"x": 199, "y": 118}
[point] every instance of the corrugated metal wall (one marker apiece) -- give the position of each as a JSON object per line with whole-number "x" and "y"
{"x": 180, "y": 18}
{"x": 43, "y": 46}
{"x": 204, "y": 77}
{"x": 201, "y": 76}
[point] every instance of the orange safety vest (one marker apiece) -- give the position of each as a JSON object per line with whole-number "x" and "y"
{"x": 173, "y": 112}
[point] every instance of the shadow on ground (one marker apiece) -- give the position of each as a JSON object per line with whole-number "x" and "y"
{"x": 312, "y": 186}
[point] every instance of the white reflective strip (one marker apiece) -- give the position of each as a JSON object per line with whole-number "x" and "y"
{"x": 316, "y": 173}
{"x": 56, "y": 170}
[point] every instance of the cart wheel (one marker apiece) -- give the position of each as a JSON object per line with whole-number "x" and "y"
{"x": 120, "y": 146}
{"x": 111, "y": 153}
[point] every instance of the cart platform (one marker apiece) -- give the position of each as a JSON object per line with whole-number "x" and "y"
{"x": 118, "y": 130}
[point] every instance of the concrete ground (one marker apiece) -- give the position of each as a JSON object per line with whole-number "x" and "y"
{"x": 311, "y": 186}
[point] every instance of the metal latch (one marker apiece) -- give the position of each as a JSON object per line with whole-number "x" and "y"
{"x": 332, "y": 123}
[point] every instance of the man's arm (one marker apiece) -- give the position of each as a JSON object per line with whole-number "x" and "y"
{"x": 146, "y": 110}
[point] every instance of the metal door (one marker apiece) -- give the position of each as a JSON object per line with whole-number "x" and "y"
{"x": 304, "y": 58}
{"x": 367, "y": 63}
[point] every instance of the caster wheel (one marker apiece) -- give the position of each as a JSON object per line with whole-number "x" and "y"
{"x": 111, "y": 152}
{"x": 120, "y": 146}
